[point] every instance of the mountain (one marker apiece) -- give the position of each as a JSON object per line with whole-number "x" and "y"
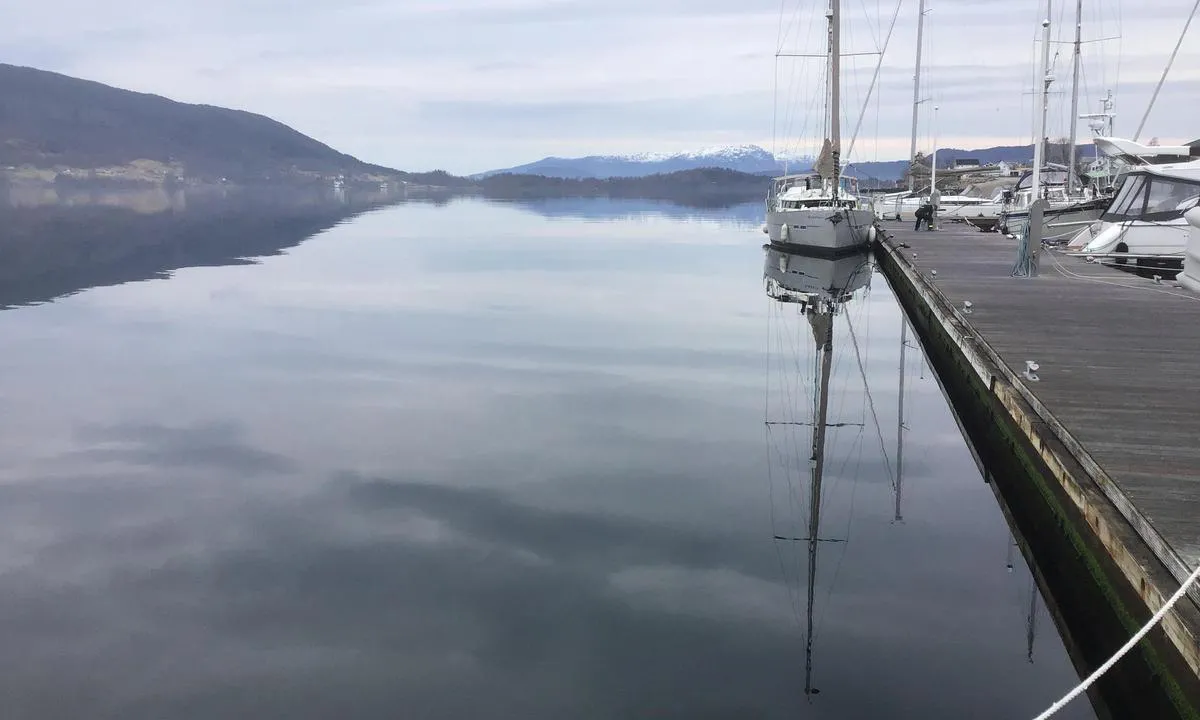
{"x": 55, "y": 122}
{"x": 893, "y": 170}
{"x": 750, "y": 159}
{"x": 755, "y": 160}
{"x": 886, "y": 171}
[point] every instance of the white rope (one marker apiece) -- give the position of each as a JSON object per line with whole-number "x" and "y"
{"x": 1067, "y": 273}
{"x": 1083, "y": 686}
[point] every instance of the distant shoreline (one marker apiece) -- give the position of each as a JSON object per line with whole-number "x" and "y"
{"x": 705, "y": 188}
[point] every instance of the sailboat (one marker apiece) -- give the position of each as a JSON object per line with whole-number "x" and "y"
{"x": 819, "y": 287}
{"x": 1069, "y": 203}
{"x": 820, "y": 211}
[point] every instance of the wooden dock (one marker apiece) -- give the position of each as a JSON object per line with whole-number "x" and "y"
{"x": 1115, "y": 410}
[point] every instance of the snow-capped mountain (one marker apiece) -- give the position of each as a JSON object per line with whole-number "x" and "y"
{"x": 744, "y": 158}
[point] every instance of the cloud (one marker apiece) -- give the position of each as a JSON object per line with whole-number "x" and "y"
{"x": 208, "y": 445}
{"x": 565, "y": 511}
{"x": 470, "y": 85}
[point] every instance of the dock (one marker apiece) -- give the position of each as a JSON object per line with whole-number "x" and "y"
{"x": 1110, "y": 416}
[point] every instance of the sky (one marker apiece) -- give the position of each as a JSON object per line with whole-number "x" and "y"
{"x": 471, "y": 85}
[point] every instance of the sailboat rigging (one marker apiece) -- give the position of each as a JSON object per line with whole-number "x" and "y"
{"x": 819, "y": 287}
{"x": 916, "y": 105}
{"x": 820, "y": 211}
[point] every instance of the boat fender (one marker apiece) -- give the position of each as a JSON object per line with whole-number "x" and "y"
{"x": 871, "y": 234}
{"x": 783, "y": 232}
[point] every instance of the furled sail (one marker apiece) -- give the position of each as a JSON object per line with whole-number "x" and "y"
{"x": 825, "y": 160}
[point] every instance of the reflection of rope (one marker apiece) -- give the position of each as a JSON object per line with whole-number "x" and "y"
{"x": 1083, "y": 686}
{"x": 871, "y": 404}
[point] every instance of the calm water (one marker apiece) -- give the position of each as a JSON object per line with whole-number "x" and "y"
{"x": 478, "y": 461}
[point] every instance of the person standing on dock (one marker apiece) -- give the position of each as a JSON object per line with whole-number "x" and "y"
{"x": 935, "y": 199}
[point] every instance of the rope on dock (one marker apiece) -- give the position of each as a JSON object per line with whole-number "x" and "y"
{"x": 1065, "y": 272}
{"x": 1162, "y": 611}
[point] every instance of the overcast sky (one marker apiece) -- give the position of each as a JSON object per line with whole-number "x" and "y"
{"x": 469, "y": 85}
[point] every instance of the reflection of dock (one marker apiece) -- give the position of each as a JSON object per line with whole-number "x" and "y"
{"x": 1105, "y": 430}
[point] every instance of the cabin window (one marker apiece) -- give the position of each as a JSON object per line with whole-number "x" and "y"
{"x": 1168, "y": 199}
{"x": 1048, "y": 177}
{"x": 1129, "y": 201}
{"x": 1148, "y": 197}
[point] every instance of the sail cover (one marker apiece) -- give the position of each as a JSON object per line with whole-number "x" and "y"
{"x": 825, "y": 160}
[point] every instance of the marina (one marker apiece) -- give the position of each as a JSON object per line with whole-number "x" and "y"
{"x": 1064, "y": 346}
{"x": 552, "y": 360}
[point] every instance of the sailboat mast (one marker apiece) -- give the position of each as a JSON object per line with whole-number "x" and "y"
{"x": 900, "y": 422}
{"x": 1043, "y": 101}
{"x": 912, "y": 148}
{"x": 1075, "y": 95}
{"x": 822, "y": 325}
{"x": 835, "y": 92}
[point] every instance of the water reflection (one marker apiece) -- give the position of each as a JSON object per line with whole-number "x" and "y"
{"x": 633, "y": 210}
{"x": 516, "y": 474}
{"x": 819, "y": 287}
{"x": 58, "y": 241}
{"x": 836, "y": 476}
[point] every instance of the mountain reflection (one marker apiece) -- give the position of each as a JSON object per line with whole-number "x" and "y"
{"x": 56, "y": 242}
{"x": 636, "y": 209}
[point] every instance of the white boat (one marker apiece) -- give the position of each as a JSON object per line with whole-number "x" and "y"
{"x": 1068, "y": 202}
{"x": 1146, "y": 217}
{"x": 803, "y": 212}
{"x": 981, "y": 211}
{"x": 956, "y": 207}
{"x": 817, "y": 212}
{"x": 1065, "y": 212}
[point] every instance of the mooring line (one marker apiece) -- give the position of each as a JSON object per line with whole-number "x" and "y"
{"x": 1133, "y": 641}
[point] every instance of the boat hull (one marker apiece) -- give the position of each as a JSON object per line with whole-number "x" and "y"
{"x": 1166, "y": 239}
{"x": 821, "y": 230}
{"x": 1058, "y": 224}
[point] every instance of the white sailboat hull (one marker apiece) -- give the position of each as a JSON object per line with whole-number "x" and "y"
{"x": 821, "y": 230}
{"x": 976, "y": 211}
{"x": 900, "y": 208}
